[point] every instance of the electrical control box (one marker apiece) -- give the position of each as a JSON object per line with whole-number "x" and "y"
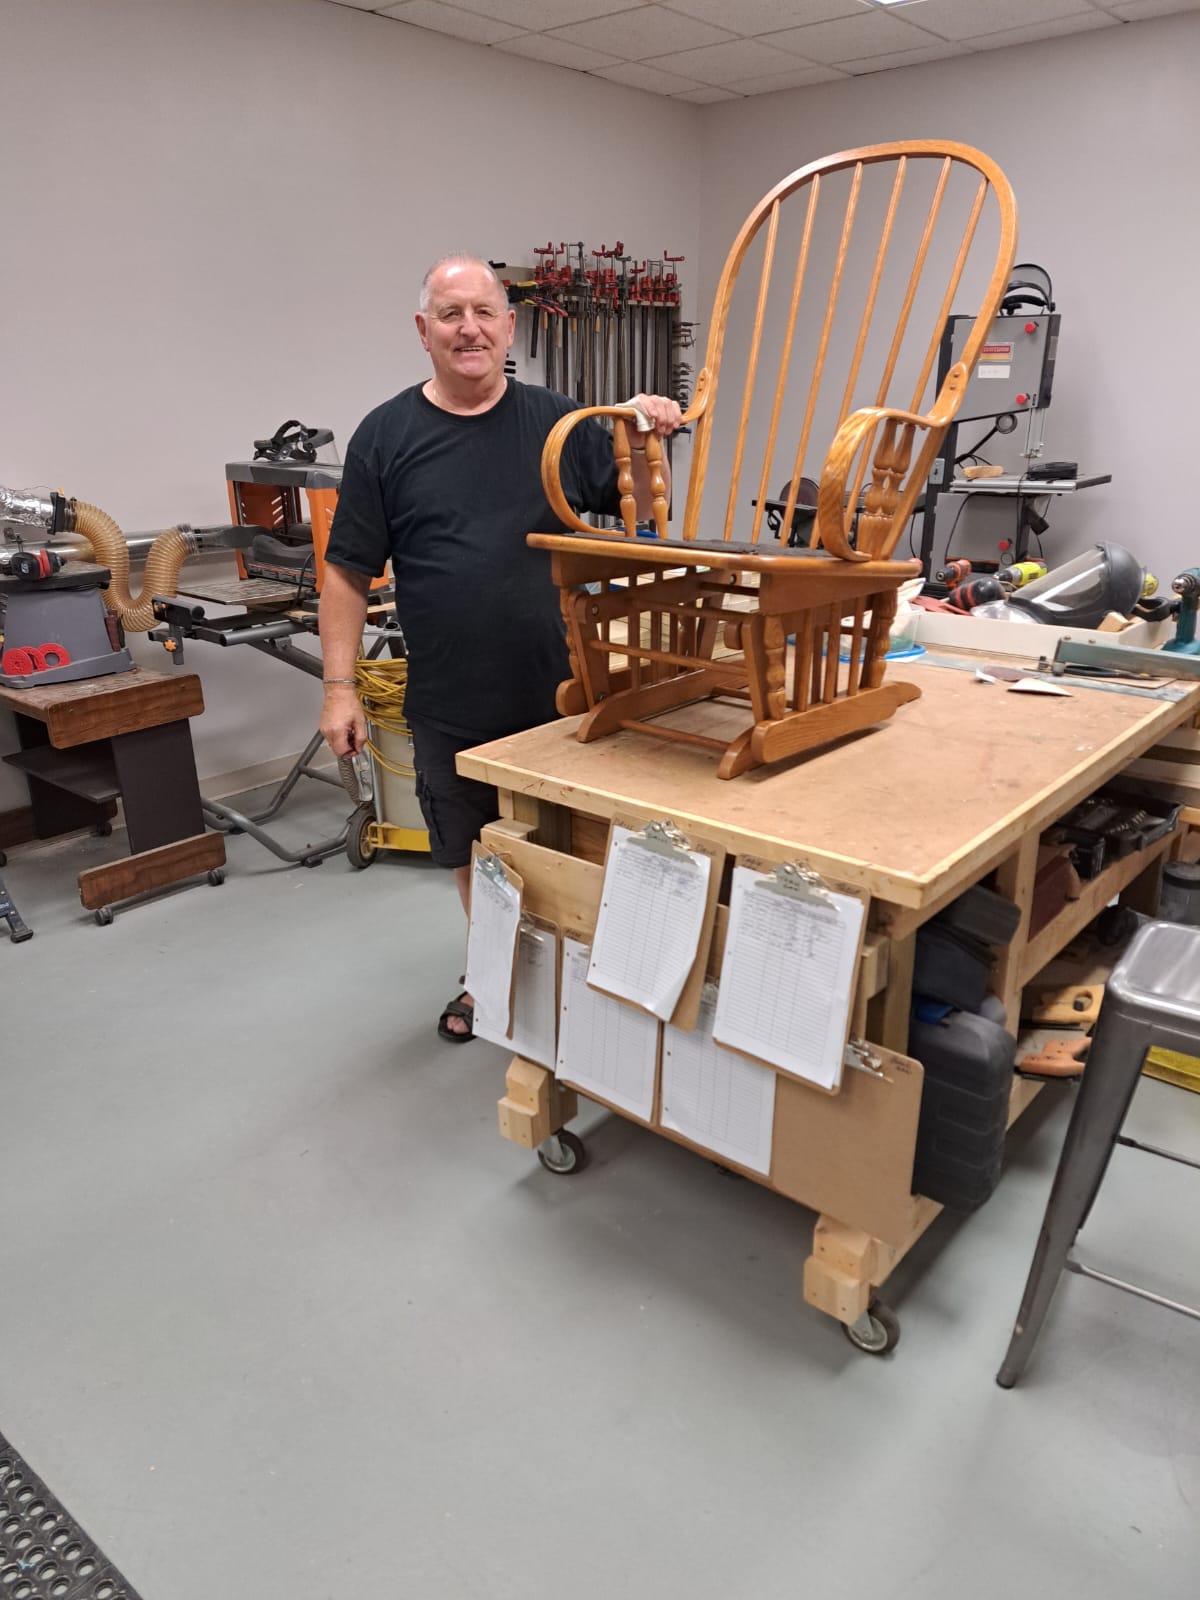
{"x": 1015, "y": 371}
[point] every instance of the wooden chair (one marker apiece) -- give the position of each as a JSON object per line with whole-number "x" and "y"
{"x": 643, "y": 640}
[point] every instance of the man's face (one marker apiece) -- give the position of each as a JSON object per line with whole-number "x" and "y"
{"x": 469, "y": 325}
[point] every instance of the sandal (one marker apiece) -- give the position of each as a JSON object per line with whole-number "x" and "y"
{"x": 457, "y": 1008}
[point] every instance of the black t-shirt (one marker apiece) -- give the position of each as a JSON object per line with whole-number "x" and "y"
{"x": 449, "y": 500}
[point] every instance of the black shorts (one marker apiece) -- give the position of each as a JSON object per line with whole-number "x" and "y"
{"x": 454, "y": 808}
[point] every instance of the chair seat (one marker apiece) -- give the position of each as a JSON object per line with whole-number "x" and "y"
{"x": 1158, "y": 978}
{"x": 766, "y": 555}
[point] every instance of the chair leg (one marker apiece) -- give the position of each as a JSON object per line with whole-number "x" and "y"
{"x": 1113, "y": 1068}
{"x": 739, "y": 757}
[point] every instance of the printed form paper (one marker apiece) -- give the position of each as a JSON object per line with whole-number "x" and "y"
{"x": 492, "y": 944}
{"x": 715, "y": 1098}
{"x": 788, "y": 978}
{"x": 651, "y": 917}
{"x": 604, "y": 1048}
{"x": 535, "y": 1002}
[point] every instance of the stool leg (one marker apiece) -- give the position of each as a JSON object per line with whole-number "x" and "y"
{"x": 1109, "y": 1080}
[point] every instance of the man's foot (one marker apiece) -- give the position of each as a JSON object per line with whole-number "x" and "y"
{"x": 456, "y": 1022}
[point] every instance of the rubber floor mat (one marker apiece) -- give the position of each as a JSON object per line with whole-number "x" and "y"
{"x": 44, "y": 1553}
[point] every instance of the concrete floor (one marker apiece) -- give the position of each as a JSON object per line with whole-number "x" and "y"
{"x": 282, "y": 1318}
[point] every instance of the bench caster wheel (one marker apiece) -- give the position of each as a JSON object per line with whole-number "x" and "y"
{"x": 359, "y": 851}
{"x": 876, "y": 1332}
{"x": 216, "y": 877}
{"x": 102, "y": 830}
{"x": 563, "y": 1153}
{"x": 104, "y": 916}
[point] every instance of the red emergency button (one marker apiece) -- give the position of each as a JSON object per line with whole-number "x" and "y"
{"x": 1031, "y": 327}
{"x": 1022, "y": 399}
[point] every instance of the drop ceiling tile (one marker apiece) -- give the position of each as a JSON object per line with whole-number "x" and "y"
{"x": 749, "y": 17}
{"x": 935, "y": 50}
{"x": 540, "y": 47}
{"x": 722, "y": 63}
{"x": 707, "y": 95}
{"x": 538, "y": 15}
{"x": 1086, "y": 22}
{"x": 637, "y": 75}
{"x": 1136, "y": 10}
{"x": 873, "y": 33}
{"x": 965, "y": 19}
{"x": 450, "y": 19}
{"x": 648, "y": 31}
{"x": 800, "y": 78}
{"x": 359, "y": 5}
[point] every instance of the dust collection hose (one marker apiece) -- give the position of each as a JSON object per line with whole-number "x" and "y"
{"x": 57, "y": 514}
{"x": 167, "y": 554}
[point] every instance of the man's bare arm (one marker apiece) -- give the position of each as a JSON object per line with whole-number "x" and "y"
{"x": 341, "y": 619}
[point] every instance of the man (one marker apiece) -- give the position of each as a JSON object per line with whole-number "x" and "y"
{"x": 444, "y": 481}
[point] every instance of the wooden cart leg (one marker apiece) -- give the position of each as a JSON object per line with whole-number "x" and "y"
{"x": 837, "y": 1276}
{"x": 848, "y": 1265}
{"x": 535, "y": 1106}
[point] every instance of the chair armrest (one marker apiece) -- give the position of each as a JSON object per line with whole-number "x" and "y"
{"x": 889, "y": 469}
{"x": 556, "y": 441}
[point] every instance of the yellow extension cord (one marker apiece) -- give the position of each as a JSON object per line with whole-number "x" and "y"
{"x": 381, "y": 686}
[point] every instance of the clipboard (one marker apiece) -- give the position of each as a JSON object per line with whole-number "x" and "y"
{"x": 639, "y": 939}
{"x": 493, "y": 929}
{"x": 612, "y": 1052}
{"x": 792, "y": 1007}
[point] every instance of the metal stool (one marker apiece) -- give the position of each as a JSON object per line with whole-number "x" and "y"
{"x": 1152, "y": 998}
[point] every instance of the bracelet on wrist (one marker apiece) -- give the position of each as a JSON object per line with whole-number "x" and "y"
{"x": 339, "y": 680}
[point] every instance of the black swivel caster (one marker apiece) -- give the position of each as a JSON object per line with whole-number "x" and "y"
{"x": 876, "y": 1332}
{"x": 563, "y": 1153}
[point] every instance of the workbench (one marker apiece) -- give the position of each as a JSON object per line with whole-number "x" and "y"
{"x": 88, "y": 744}
{"x": 957, "y": 788}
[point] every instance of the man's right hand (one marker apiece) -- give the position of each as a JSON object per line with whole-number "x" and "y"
{"x": 343, "y": 725}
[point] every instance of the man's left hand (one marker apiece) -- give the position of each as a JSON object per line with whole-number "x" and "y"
{"x": 662, "y": 411}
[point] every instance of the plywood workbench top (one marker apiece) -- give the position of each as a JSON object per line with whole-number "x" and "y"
{"x": 936, "y": 795}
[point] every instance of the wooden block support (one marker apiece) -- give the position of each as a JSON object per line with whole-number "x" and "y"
{"x": 838, "y": 1294}
{"x": 535, "y": 1106}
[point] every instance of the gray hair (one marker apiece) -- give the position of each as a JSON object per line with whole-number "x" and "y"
{"x": 463, "y": 258}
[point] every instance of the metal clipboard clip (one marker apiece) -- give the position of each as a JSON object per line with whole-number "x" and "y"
{"x": 664, "y": 839}
{"x": 798, "y": 882}
{"x": 862, "y": 1058}
{"x": 527, "y": 928}
{"x": 492, "y": 867}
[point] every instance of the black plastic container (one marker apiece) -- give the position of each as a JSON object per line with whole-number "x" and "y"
{"x": 955, "y": 950}
{"x": 951, "y": 967}
{"x": 968, "y": 1062}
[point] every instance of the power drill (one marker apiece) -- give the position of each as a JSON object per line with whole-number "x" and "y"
{"x": 1187, "y": 587}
